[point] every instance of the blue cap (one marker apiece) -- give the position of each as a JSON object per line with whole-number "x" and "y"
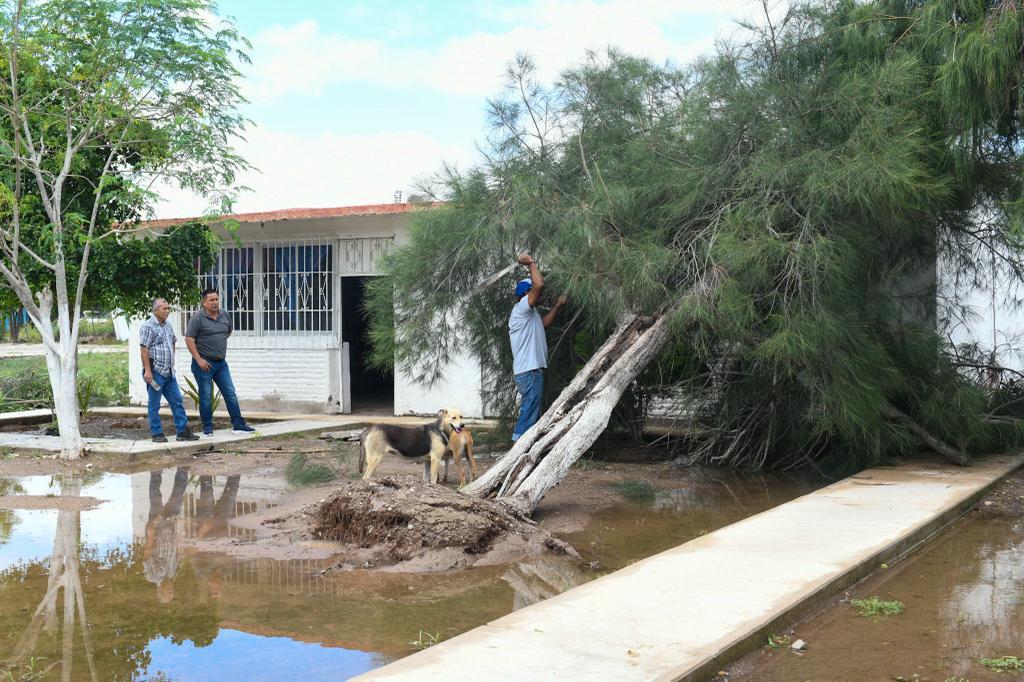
{"x": 522, "y": 286}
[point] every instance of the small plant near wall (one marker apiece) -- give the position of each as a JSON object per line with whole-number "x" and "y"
{"x": 192, "y": 393}
{"x": 873, "y": 607}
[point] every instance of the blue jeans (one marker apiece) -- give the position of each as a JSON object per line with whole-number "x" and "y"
{"x": 169, "y": 390}
{"x": 531, "y": 390}
{"x": 218, "y": 374}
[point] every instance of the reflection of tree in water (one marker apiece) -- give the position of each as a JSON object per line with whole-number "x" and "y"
{"x": 541, "y": 578}
{"x": 124, "y": 614}
{"x": 981, "y": 590}
{"x": 7, "y": 516}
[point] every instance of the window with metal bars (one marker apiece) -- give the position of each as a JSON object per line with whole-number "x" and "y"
{"x": 275, "y": 287}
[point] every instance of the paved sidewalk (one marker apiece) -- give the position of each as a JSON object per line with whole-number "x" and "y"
{"x": 25, "y": 350}
{"x": 685, "y": 613}
{"x": 281, "y": 425}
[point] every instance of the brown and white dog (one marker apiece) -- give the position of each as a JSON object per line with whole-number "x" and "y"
{"x": 427, "y": 441}
{"x": 460, "y": 442}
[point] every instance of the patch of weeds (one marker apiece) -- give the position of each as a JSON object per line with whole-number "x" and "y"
{"x": 1004, "y": 664}
{"x": 635, "y": 491}
{"x": 425, "y": 639}
{"x": 778, "y": 641}
{"x": 300, "y": 471}
{"x": 873, "y": 607}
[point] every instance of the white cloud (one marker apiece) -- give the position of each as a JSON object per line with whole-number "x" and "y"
{"x": 324, "y": 170}
{"x": 302, "y": 58}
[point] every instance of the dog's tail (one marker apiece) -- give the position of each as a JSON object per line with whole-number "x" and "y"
{"x": 362, "y": 451}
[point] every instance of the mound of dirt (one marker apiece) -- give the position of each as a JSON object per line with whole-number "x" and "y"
{"x": 403, "y": 522}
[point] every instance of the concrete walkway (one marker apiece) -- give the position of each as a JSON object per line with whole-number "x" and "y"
{"x": 685, "y": 613}
{"x": 26, "y": 350}
{"x": 279, "y": 424}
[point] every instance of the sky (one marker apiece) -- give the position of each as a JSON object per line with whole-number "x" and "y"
{"x": 351, "y": 102}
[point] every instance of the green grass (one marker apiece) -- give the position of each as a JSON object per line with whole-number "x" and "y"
{"x": 1004, "y": 664}
{"x": 778, "y": 641}
{"x": 873, "y": 606}
{"x": 300, "y": 471}
{"x": 635, "y": 491}
{"x": 25, "y": 385}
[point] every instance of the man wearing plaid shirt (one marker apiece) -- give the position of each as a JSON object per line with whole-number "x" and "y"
{"x": 156, "y": 339}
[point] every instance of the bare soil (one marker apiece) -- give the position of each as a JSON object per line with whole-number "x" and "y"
{"x": 1006, "y": 499}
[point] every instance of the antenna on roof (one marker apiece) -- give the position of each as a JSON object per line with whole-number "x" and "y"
{"x": 398, "y": 196}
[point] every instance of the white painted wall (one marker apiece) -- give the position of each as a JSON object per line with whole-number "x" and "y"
{"x": 459, "y": 389}
{"x": 267, "y": 371}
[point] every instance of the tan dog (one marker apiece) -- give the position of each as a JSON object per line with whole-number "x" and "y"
{"x": 460, "y": 442}
{"x": 428, "y": 441}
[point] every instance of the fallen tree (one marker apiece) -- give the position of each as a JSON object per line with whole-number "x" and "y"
{"x": 816, "y": 169}
{"x": 544, "y": 454}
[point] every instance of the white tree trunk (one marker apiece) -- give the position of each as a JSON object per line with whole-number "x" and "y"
{"x": 62, "y": 367}
{"x": 64, "y": 382}
{"x": 544, "y": 454}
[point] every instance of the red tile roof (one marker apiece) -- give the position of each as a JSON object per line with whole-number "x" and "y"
{"x": 303, "y": 214}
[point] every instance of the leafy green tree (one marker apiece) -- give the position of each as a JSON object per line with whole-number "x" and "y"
{"x": 102, "y": 100}
{"x": 759, "y": 230}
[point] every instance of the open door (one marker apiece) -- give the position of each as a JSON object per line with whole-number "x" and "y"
{"x": 372, "y": 390}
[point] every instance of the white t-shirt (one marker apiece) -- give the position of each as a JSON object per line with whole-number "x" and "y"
{"x": 526, "y": 332}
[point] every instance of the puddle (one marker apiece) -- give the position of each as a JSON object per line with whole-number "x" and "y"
{"x": 156, "y": 608}
{"x": 964, "y": 597}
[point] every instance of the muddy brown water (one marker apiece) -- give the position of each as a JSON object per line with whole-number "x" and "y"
{"x": 964, "y": 599}
{"x": 120, "y": 592}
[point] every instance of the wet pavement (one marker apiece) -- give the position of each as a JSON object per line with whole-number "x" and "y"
{"x": 964, "y": 598}
{"x": 157, "y": 608}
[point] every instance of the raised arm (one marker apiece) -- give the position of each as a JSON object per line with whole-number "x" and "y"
{"x": 536, "y": 279}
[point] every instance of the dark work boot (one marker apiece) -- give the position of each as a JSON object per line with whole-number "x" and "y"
{"x": 187, "y": 435}
{"x": 159, "y": 438}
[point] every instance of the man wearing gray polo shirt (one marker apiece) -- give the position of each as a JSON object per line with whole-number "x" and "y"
{"x": 206, "y": 336}
{"x": 529, "y": 345}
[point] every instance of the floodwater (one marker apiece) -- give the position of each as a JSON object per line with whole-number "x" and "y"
{"x": 120, "y": 592}
{"x": 964, "y": 598}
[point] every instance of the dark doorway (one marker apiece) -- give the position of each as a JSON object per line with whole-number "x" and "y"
{"x": 372, "y": 389}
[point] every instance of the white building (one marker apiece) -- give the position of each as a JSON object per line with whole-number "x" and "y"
{"x": 293, "y": 283}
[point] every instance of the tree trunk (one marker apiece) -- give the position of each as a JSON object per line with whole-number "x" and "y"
{"x": 62, "y": 367}
{"x": 544, "y": 454}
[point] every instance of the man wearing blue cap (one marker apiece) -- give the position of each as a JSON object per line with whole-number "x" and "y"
{"x": 529, "y": 345}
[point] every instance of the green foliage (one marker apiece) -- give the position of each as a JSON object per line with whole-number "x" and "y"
{"x": 783, "y": 201}
{"x": 191, "y": 391}
{"x": 300, "y": 471}
{"x": 778, "y": 641}
{"x": 1004, "y": 664}
{"x": 634, "y": 491}
{"x": 873, "y": 607}
{"x": 25, "y": 384}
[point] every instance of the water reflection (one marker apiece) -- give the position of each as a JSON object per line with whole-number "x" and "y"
{"x": 123, "y": 591}
{"x": 964, "y": 597}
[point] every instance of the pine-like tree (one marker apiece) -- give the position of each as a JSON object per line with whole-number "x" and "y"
{"x": 760, "y": 229}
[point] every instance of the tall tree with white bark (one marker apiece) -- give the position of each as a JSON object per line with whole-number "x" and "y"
{"x": 758, "y": 231}
{"x": 101, "y": 101}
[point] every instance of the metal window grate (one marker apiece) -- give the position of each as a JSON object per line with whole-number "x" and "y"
{"x": 275, "y": 287}
{"x": 298, "y": 287}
